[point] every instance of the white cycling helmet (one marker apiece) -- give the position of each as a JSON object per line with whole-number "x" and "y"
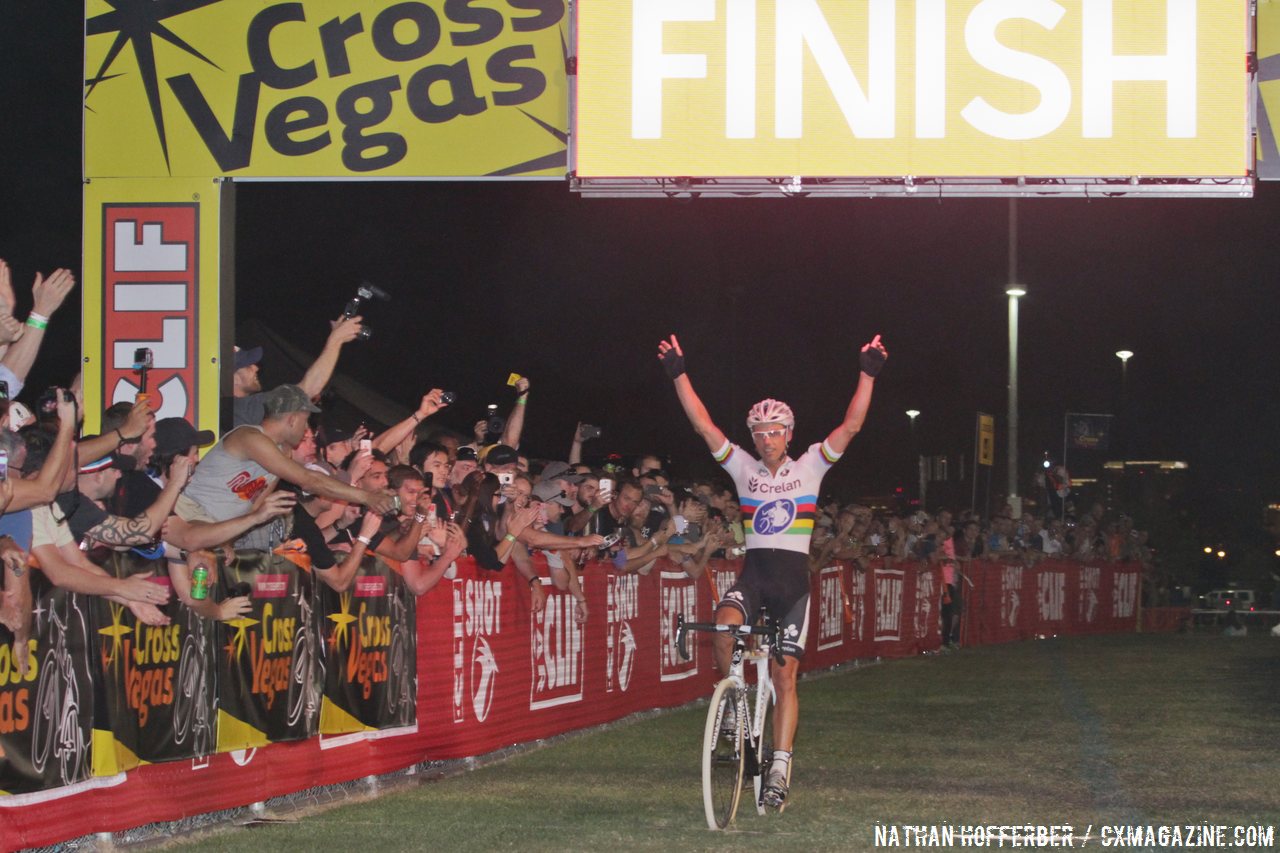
{"x": 771, "y": 411}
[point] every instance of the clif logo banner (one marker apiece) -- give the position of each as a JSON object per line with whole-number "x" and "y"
{"x": 325, "y": 88}
{"x": 959, "y": 88}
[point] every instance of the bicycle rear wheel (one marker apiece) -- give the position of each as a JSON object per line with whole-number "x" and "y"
{"x": 722, "y": 756}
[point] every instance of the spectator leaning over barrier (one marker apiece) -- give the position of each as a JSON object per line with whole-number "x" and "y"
{"x": 85, "y": 509}
{"x": 32, "y": 482}
{"x": 565, "y": 481}
{"x": 248, "y": 398}
{"x": 249, "y": 460}
{"x": 57, "y": 552}
{"x": 133, "y": 427}
{"x": 562, "y": 564}
{"x": 518, "y": 498}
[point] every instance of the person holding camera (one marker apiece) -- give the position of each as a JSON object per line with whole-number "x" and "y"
{"x": 779, "y": 497}
{"x": 248, "y": 399}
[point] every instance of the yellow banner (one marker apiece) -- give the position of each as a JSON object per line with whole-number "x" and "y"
{"x": 151, "y": 281}
{"x": 986, "y": 440}
{"x": 326, "y": 88}
{"x": 889, "y": 88}
{"x": 1268, "y": 88}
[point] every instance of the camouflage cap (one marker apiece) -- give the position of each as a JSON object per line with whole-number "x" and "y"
{"x": 286, "y": 399}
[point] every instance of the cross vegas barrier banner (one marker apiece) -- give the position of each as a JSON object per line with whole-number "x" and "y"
{"x": 931, "y": 87}
{"x": 490, "y": 674}
{"x": 325, "y": 88}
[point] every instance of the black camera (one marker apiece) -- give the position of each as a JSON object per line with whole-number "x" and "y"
{"x": 364, "y": 293}
{"x": 590, "y": 431}
{"x": 47, "y": 405}
{"x": 494, "y": 424}
{"x": 448, "y": 397}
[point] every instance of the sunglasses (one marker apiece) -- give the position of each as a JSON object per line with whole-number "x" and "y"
{"x": 777, "y": 432}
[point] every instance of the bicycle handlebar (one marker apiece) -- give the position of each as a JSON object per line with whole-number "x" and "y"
{"x": 770, "y": 630}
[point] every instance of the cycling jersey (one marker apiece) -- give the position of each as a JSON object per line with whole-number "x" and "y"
{"x": 778, "y": 509}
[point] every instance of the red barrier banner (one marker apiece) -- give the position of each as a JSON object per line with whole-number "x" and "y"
{"x": 491, "y": 673}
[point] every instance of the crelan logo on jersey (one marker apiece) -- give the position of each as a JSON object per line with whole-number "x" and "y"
{"x": 383, "y": 65}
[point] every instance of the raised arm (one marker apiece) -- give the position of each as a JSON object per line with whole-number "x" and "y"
{"x": 871, "y": 360}
{"x": 515, "y": 420}
{"x": 47, "y": 295}
{"x": 431, "y": 403}
{"x": 318, "y": 374}
{"x": 672, "y": 358}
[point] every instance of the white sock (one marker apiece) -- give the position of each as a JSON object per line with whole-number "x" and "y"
{"x": 781, "y": 761}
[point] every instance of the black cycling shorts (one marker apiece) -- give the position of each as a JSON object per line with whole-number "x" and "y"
{"x": 779, "y": 581}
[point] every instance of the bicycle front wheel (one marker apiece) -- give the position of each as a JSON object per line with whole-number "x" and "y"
{"x": 722, "y": 755}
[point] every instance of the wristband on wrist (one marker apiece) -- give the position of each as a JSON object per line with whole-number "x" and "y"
{"x": 364, "y": 540}
{"x": 417, "y": 418}
{"x": 37, "y": 321}
{"x": 509, "y": 538}
{"x": 522, "y": 399}
{"x": 419, "y": 517}
{"x": 533, "y": 580}
{"x": 124, "y": 439}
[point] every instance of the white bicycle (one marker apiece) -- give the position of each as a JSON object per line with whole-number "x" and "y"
{"x": 737, "y": 740}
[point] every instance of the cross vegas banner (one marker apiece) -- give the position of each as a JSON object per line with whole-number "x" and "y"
{"x": 893, "y": 88}
{"x": 325, "y": 88}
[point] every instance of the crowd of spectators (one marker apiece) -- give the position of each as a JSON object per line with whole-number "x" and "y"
{"x": 415, "y": 493}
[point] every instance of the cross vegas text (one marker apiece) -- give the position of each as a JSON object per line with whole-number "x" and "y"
{"x": 406, "y": 33}
{"x": 1063, "y": 836}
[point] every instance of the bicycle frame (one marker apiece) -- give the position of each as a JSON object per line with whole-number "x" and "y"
{"x": 752, "y": 706}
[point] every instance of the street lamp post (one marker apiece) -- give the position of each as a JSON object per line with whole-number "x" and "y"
{"x": 915, "y": 456}
{"x": 1124, "y": 355}
{"x": 1015, "y": 292}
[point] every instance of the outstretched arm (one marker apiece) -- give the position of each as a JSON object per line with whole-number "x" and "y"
{"x": 515, "y": 421}
{"x": 318, "y": 374}
{"x": 672, "y": 358}
{"x": 871, "y": 360}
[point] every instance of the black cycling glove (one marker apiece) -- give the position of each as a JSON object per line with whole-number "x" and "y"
{"x": 673, "y": 363}
{"x": 871, "y": 360}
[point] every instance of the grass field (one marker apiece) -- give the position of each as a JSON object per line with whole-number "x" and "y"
{"x": 1134, "y": 729}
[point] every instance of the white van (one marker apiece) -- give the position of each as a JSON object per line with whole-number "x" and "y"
{"x": 1225, "y": 599}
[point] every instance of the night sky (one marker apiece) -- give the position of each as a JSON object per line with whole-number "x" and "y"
{"x": 770, "y": 298}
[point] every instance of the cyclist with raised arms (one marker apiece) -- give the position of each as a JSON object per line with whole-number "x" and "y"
{"x": 779, "y": 497}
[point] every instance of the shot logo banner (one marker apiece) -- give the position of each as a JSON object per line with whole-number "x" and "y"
{"x": 1089, "y": 579}
{"x": 858, "y": 603}
{"x": 1051, "y": 596}
{"x": 325, "y": 88}
{"x": 622, "y": 608}
{"x": 477, "y": 627}
{"x": 677, "y": 595}
{"x": 830, "y": 603}
{"x": 555, "y": 653}
{"x": 1124, "y": 594}
{"x": 889, "y": 590}
{"x": 1010, "y": 596}
{"x": 926, "y": 613}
